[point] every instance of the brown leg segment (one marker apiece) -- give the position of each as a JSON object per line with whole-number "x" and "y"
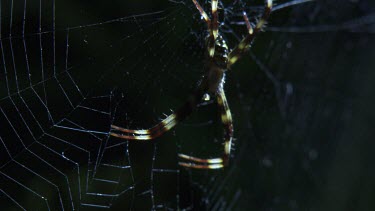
{"x": 203, "y": 14}
{"x": 215, "y": 21}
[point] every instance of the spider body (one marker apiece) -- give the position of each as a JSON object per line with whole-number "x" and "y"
{"x": 218, "y": 59}
{"x": 215, "y": 66}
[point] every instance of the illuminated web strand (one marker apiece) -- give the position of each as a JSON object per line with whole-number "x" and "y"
{"x": 81, "y": 150}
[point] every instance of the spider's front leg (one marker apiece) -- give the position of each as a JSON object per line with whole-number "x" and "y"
{"x": 244, "y": 44}
{"x": 203, "y": 13}
{"x": 215, "y": 163}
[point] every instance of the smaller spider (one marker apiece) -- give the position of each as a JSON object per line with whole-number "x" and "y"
{"x": 217, "y": 62}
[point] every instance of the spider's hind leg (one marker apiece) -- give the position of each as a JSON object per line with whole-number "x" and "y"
{"x": 160, "y": 128}
{"x": 215, "y": 163}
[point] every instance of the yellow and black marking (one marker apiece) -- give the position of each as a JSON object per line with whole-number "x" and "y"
{"x": 218, "y": 60}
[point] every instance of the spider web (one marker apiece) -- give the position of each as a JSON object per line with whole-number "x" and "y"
{"x": 300, "y": 102}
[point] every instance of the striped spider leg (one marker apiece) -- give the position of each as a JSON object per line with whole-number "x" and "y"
{"x": 217, "y": 62}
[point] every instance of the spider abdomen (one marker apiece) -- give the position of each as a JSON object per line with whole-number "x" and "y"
{"x": 217, "y": 65}
{"x": 215, "y": 78}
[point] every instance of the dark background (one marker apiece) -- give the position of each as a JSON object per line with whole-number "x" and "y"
{"x": 302, "y": 103}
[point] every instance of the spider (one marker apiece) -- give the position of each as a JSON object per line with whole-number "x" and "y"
{"x": 218, "y": 60}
